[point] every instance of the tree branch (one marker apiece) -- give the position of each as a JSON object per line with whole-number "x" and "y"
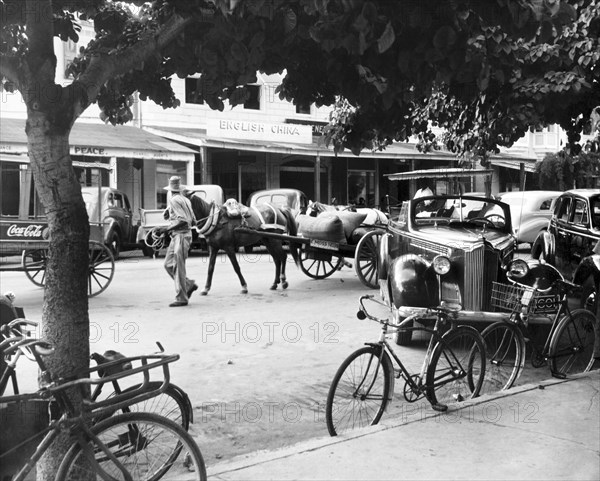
{"x": 39, "y": 26}
{"x": 103, "y": 66}
{"x": 9, "y": 68}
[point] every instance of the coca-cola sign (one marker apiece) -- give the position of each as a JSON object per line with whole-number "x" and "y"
{"x": 23, "y": 231}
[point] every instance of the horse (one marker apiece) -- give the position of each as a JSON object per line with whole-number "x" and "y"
{"x": 219, "y": 229}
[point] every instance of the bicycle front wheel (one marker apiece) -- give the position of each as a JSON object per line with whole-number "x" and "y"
{"x": 572, "y": 344}
{"x": 359, "y": 392}
{"x": 148, "y": 446}
{"x": 457, "y": 367}
{"x": 505, "y": 356}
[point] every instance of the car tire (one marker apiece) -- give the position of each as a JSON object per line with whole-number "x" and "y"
{"x": 146, "y": 250}
{"x": 115, "y": 244}
{"x": 538, "y": 252}
{"x": 588, "y": 295}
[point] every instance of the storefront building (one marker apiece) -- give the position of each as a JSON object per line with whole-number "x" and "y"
{"x": 269, "y": 143}
{"x": 127, "y": 158}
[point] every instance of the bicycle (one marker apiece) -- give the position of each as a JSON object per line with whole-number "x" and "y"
{"x": 452, "y": 371}
{"x": 173, "y": 403}
{"x": 129, "y": 446}
{"x": 568, "y": 348}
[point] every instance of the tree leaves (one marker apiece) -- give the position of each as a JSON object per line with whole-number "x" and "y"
{"x": 386, "y": 39}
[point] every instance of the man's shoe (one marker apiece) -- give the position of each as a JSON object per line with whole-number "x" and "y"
{"x": 192, "y": 289}
{"x": 178, "y": 304}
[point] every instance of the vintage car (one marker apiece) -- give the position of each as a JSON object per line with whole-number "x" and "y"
{"x": 110, "y": 207}
{"x": 571, "y": 238}
{"x": 445, "y": 249}
{"x": 531, "y": 211}
{"x": 292, "y": 198}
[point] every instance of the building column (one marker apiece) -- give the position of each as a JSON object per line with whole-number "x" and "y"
{"x": 112, "y": 173}
{"x": 189, "y": 172}
{"x": 204, "y": 178}
{"x": 318, "y": 178}
{"x": 377, "y": 196}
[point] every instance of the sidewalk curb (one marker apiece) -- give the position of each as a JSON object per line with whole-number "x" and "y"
{"x": 265, "y": 456}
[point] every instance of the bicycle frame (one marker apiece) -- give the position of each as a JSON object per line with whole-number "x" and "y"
{"x": 77, "y": 424}
{"x": 417, "y": 388}
{"x": 520, "y": 319}
{"x": 82, "y": 433}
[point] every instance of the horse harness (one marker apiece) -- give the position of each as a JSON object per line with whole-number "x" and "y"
{"x": 234, "y": 210}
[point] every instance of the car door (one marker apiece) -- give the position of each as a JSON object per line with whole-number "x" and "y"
{"x": 122, "y": 212}
{"x": 582, "y": 241}
{"x": 560, "y": 226}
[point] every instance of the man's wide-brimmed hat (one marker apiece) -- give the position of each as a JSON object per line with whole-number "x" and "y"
{"x": 175, "y": 184}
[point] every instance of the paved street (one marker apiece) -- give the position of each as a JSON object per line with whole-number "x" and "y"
{"x": 257, "y": 367}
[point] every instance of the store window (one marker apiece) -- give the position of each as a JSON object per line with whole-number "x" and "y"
{"x": 15, "y": 177}
{"x": 10, "y": 181}
{"x": 361, "y": 188}
{"x": 253, "y": 101}
{"x": 303, "y": 108}
{"x": 193, "y": 91}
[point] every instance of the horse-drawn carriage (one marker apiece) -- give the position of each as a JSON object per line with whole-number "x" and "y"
{"x": 323, "y": 251}
{"x": 328, "y": 235}
{"x": 24, "y": 239}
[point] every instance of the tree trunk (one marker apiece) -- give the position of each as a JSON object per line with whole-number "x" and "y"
{"x": 65, "y": 320}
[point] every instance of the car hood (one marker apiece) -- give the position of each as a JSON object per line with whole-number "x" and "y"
{"x": 462, "y": 236}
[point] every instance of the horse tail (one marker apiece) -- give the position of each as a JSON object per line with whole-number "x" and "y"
{"x": 292, "y": 228}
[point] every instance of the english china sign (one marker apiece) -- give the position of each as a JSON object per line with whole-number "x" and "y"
{"x": 250, "y": 130}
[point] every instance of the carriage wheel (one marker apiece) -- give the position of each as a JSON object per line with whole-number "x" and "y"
{"x": 319, "y": 269}
{"x": 34, "y": 265}
{"x": 101, "y": 269}
{"x": 365, "y": 261}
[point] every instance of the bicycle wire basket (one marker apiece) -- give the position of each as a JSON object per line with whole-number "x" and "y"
{"x": 21, "y": 425}
{"x": 516, "y": 298}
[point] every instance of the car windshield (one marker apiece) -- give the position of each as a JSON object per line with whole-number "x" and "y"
{"x": 457, "y": 209}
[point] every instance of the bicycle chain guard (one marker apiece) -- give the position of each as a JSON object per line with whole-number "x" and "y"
{"x": 537, "y": 358}
{"x": 409, "y": 394}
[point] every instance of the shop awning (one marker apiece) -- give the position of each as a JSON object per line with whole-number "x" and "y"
{"x": 509, "y": 163}
{"x": 451, "y": 173}
{"x": 100, "y": 140}
{"x": 199, "y": 137}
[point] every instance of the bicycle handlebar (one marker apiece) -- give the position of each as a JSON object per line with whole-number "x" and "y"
{"x": 363, "y": 314}
{"x": 15, "y": 324}
{"x": 560, "y": 284}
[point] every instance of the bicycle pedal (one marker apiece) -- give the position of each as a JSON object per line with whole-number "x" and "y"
{"x": 439, "y": 407}
{"x": 559, "y": 375}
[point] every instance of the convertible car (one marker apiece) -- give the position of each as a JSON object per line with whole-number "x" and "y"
{"x": 445, "y": 249}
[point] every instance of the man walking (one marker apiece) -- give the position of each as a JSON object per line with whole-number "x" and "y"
{"x": 181, "y": 217}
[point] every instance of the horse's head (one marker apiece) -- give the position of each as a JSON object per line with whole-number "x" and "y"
{"x": 200, "y": 206}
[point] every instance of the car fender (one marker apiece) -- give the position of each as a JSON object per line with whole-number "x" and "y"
{"x": 412, "y": 282}
{"x": 383, "y": 256}
{"x": 544, "y": 244}
{"x": 110, "y": 225}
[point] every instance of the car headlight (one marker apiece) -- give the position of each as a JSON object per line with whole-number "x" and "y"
{"x": 518, "y": 269}
{"x": 441, "y": 265}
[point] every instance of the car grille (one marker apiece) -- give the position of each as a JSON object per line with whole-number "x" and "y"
{"x": 480, "y": 270}
{"x": 430, "y": 247}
